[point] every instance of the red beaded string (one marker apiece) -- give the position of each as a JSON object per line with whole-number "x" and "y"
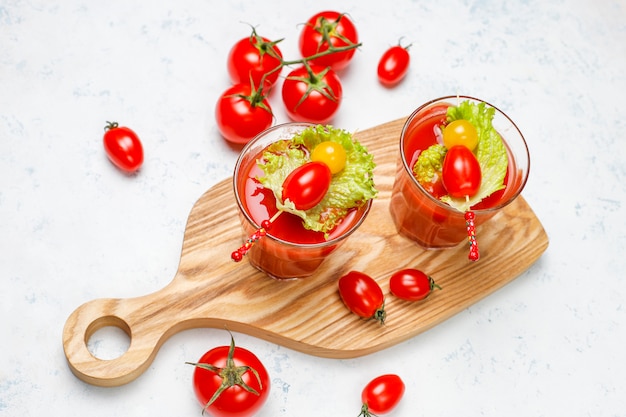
{"x": 254, "y": 237}
{"x": 471, "y": 236}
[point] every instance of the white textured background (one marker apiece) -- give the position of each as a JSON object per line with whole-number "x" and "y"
{"x": 73, "y": 228}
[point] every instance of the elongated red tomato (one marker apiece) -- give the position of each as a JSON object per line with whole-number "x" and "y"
{"x": 411, "y": 284}
{"x": 123, "y": 147}
{"x": 461, "y": 172}
{"x": 381, "y": 395}
{"x": 242, "y": 113}
{"x": 230, "y": 381}
{"x": 307, "y": 185}
{"x": 363, "y": 296}
{"x": 325, "y": 29}
{"x": 393, "y": 65}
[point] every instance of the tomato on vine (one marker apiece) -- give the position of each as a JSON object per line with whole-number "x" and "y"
{"x": 411, "y": 284}
{"x": 381, "y": 395}
{"x": 123, "y": 147}
{"x": 252, "y": 58}
{"x": 307, "y": 185}
{"x": 230, "y": 381}
{"x": 242, "y": 112}
{"x": 393, "y": 65}
{"x": 363, "y": 296}
{"x": 328, "y": 30}
{"x": 460, "y": 172}
{"x": 312, "y": 94}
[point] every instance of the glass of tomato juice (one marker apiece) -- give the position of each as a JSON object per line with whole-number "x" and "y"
{"x": 288, "y": 250}
{"x": 422, "y": 217}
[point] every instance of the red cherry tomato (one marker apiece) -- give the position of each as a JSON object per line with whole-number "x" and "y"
{"x": 381, "y": 395}
{"x": 363, "y": 296}
{"x": 312, "y": 97}
{"x": 324, "y": 28}
{"x": 243, "y": 394}
{"x": 411, "y": 284}
{"x": 307, "y": 185}
{"x": 253, "y": 57}
{"x": 461, "y": 172}
{"x": 242, "y": 113}
{"x": 393, "y": 65}
{"x": 123, "y": 147}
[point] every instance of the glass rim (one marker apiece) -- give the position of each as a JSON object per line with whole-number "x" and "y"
{"x": 357, "y": 223}
{"x": 432, "y": 198}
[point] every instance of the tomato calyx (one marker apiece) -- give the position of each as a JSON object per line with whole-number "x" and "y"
{"x": 315, "y": 82}
{"x": 256, "y": 98}
{"x": 365, "y": 412}
{"x": 231, "y": 374}
{"x": 111, "y": 125}
{"x": 328, "y": 29}
{"x": 263, "y": 46}
{"x": 433, "y": 284}
{"x": 380, "y": 315}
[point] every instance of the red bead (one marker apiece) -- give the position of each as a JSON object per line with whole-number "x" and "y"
{"x": 236, "y": 256}
{"x": 266, "y": 224}
{"x": 469, "y": 215}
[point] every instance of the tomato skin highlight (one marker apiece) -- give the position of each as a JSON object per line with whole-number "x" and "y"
{"x": 339, "y": 28}
{"x": 382, "y": 394}
{"x": 363, "y": 296}
{"x": 312, "y": 98}
{"x": 123, "y": 147}
{"x": 411, "y": 284}
{"x": 393, "y": 65}
{"x": 235, "y": 401}
{"x": 248, "y": 60}
{"x": 307, "y": 185}
{"x": 238, "y": 118}
{"x": 461, "y": 172}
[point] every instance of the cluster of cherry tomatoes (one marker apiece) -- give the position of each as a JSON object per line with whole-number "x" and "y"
{"x": 231, "y": 381}
{"x": 312, "y": 90}
{"x": 364, "y": 297}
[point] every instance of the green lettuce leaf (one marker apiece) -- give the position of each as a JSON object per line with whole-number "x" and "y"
{"x": 429, "y": 163}
{"x": 490, "y": 152}
{"x": 349, "y": 188}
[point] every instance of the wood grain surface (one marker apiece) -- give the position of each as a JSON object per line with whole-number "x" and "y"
{"x": 209, "y": 290}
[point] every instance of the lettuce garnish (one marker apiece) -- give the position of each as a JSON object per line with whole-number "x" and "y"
{"x": 490, "y": 152}
{"x": 429, "y": 163}
{"x": 349, "y": 188}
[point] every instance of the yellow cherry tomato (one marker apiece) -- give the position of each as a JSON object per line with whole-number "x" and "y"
{"x": 332, "y": 154}
{"x": 460, "y": 132}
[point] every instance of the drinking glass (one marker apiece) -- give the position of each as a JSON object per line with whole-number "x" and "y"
{"x": 425, "y": 219}
{"x": 277, "y": 257}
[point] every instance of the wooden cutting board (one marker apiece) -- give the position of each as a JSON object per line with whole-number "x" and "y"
{"x": 210, "y": 290}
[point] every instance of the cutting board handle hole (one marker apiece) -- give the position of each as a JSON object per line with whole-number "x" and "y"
{"x": 108, "y": 338}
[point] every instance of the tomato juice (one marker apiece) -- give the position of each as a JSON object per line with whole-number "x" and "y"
{"x": 417, "y": 212}
{"x": 288, "y": 250}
